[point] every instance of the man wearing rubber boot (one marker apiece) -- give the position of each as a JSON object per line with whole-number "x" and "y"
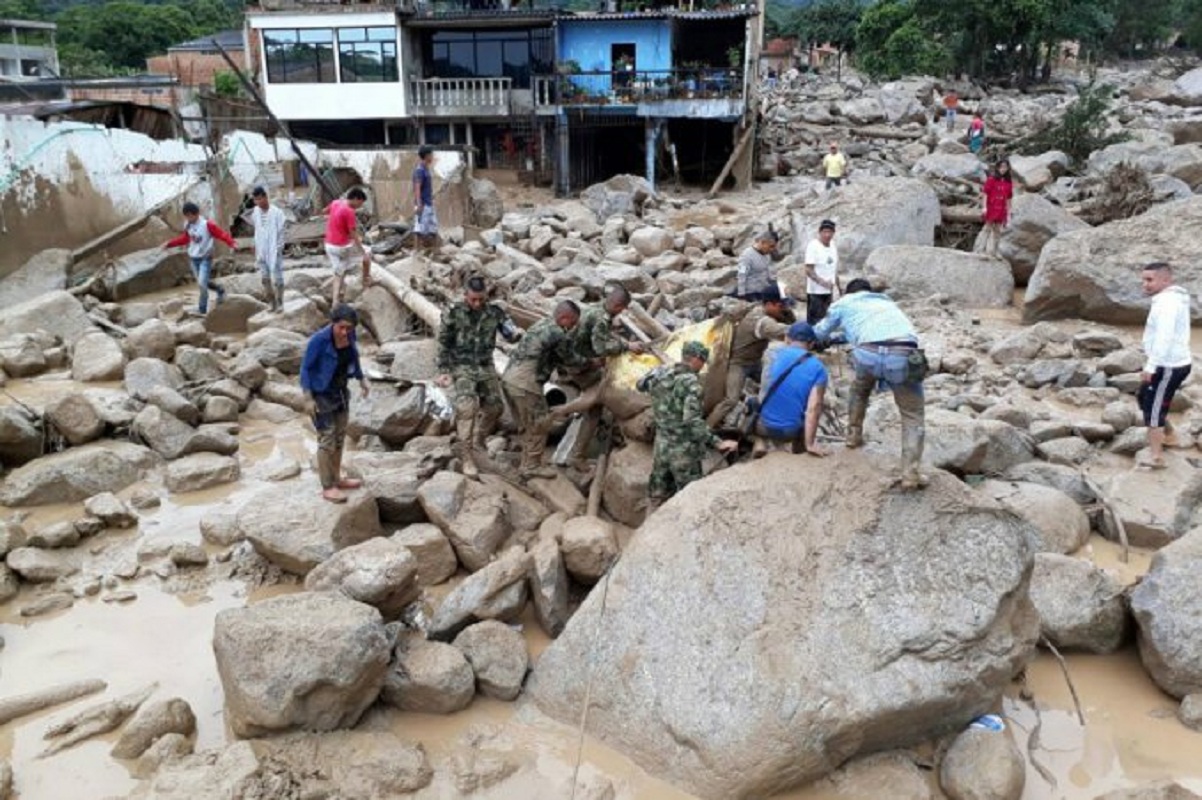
{"x": 681, "y": 435}
{"x": 546, "y": 346}
{"x": 466, "y": 340}
{"x": 885, "y": 354}
{"x": 762, "y": 324}
{"x": 593, "y": 341}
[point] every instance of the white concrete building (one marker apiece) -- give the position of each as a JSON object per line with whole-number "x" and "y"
{"x": 27, "y": 50}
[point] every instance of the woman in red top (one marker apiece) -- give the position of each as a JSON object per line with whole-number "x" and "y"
{"x": 999, "y": 188}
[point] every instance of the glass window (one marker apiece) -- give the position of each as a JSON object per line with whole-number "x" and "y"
{"x": 299, "y": 56}
{"x": 368, "y": 55}
{"x": 488, "y": 59}
{"x": 490, "y": 54}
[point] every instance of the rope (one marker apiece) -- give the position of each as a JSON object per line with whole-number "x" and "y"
{"x": 588, "y": 690}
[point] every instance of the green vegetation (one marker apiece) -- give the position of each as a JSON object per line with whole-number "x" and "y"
{"x": 1081, "y": 131}
{"x": 98, "y": 39}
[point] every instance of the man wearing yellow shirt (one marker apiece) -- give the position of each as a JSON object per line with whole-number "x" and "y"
{"x": 834, "y": 164}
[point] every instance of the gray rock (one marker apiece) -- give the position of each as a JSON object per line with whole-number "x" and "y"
{"x": 48, "y": 604}
{"x": 201, "y": 471}
{"x": 277, "y": 348}
{"x": 43, "y": 566}
{"x": 1190, "y": 712}
{"x": 965, "y": 167}
{"x": 299, "y": 315}
{"x": 413, "y": 360}
{"x": 198, "y": 364}
{"x": 1066, "y": 450}
{"x": 247, "y": 371}
{"x": 59, "y": 314}
{"x": 378, "y": 572}
{"x": 12, "y": 536}
{"x": 1080, "y": 606}
{"x": 97, "y": 357}
{"x": 221, "y": 409}
{"x": 983, "y": 765}
{"x": 1165, "y": 606}
{"x": 910, "y": 272}
{"x": 548, "y": 581}
{"x": 477, "y": 597}
{"x": 436, "y": 561}
{"x": 22, "y": 357}
{"x": 75, "y": 418}
{"x": 625, "y": 493}
{"x": 472, "y": 516}
{"x": 589, "y": 548}
{"x": 152, "y": 339}
{"x": 21, "y": 438}
{"x": 651, "y": 241}
{"x": 1055, "y": 476}
{"x": 152, "y": 721}
{"x": 46, "y": 271}
{"x": 142, "y": 375}
{"x": 705, "y": 620}
{"x": 485, "y": 203}
{"x": 1158, "y": 790}
{"x": 621, "y": 194}
{"x": 55, "y": 535}
{"x": 893, "y": 775}
{"x": 220, "y": 529}
{"x": 297, "y": 531}
{"x": 187, "y": 554}
{"x": 1060, "y": 524}
{"x": 428, "y": 677}
{"x": 75, "y": 474}
{"x": 395, "y": 417}
{"x": 387, "y": 318}
{"x": 149, "y": 271}
{"x": 167, "y": 749}
{"x": 174, "y": 403}
{"x": 9, "y": 586}
{"x": 1156, "y": 507}
{"x": 172, "y": 438}
{"x": 958, "y": 442}
{"x": 498, "y": 657}
{"x": 314, "y": 661}
{"x": 233, "y": 314}
{"x": 1035, "y": 173}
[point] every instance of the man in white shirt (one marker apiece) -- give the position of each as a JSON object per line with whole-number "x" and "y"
{"x": 268, "y": 222}
{"x": 1166, "y": 347}
{"x": 822, "y": 273}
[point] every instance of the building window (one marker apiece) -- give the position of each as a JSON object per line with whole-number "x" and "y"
{"x": 368, "y": 55}
{"x": 299, "y": 56}
{"x": 490, "y": 54}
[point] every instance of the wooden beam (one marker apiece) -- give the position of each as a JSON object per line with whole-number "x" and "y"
{"x": 734, "y": 157}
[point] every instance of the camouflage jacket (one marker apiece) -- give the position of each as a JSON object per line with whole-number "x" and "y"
{"x": 546, "y": 345}
{"x": 594, "y": 336}
{"x": 467, "y": 338}
{"x": 676, "y": 405}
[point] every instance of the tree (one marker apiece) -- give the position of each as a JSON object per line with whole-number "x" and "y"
{"x": 1141, "y": 28}
{"x": 21, "y": 9}
{"x": 125, "y": 31}
{"x": 830, "y": 22}
{"x": 892, "y": 42}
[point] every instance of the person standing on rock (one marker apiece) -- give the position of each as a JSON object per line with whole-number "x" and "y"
{"x": 466, "y": 340}
{"x": 331, "y": 360}
{"x": 344, "y": 242}
{"x": 593, "y": 341}
{"x": 998, "y": 190}
{"x": 834, "y": 167}
{"x": 822, "y": 273}
{"x": 885, "y": 354}
{"x": 681, "y": 435}
{"x": 757, "y": 267}
{"x": 268, "y": 221}
{"x": 951, "y": 102}
{"x": 976, "y": 134}
{"x": 425, "y": 221}
{"x": 1167, "y": 350}
{"x": 544, "y": 348}
{"x": 198, "y": 236}
{"x": 792, "y": 392}
{"x": 761, "y": 325}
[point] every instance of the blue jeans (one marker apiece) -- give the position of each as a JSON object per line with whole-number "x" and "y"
{"x": 201, "y": 270}
{"x": 880, "y": 367}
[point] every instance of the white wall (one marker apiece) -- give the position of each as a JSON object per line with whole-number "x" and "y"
{"x": 333, "y": 101}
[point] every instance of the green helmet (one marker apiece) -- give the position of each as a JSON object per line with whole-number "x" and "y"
{"x": 695, "y": 350}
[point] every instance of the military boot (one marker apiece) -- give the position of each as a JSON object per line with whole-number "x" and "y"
{"x": 534, "y": 445}
{"x": 462, "y": 449}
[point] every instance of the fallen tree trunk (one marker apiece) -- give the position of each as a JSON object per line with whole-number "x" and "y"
{"x": 960, "y": 214}
{"x": 409, "y": 297}
{"x": 24, "y": 704}
{"x": 874, "y": 132}
{"x": 650, "y": 325}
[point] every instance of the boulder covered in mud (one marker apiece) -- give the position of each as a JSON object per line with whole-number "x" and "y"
{"x": 76, "y": 474}
{"x": 1080, "y": 606}
{"x": 1165, "y": 604}
{"x": 971, "y": 280}
{"x": 59, "y": 314}
{"x": 309, "y": 661}
{"x": 766, "y": 625}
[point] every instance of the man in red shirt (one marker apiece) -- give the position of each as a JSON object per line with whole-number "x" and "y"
{"x": 344, "y": 242}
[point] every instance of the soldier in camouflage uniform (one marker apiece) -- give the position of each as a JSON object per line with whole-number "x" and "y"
{"x": 681, "y": 435}
{"x": 594, "y": 340}
{"x": 546, "y": 346}
{"x": 466, "y": 340}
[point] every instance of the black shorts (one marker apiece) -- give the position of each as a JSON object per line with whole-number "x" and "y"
{"x": 816, "y": 307}
{"x": 1156, "y": 396}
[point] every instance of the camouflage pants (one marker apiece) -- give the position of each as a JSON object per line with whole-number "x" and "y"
{"x": 674, "y": 467}
{"x": 476, "y": 389}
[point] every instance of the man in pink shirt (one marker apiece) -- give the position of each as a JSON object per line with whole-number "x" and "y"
{"x": 344, "y": 243}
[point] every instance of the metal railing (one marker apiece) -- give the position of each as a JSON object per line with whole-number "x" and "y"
{"x": 432, "y": 95}
{"x": 638, "y": 87}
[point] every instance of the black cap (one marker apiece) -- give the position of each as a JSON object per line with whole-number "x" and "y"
{"x": 826, "y": 225}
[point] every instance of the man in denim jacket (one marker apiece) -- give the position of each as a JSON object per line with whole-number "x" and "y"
{"x": 331, "y": 360}
{"x": 885, "y": 353}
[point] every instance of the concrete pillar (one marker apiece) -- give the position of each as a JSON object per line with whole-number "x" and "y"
{"x": 563, "y": 161}
{"x": 653, "y": 127}
{"x": 471, "y": 147}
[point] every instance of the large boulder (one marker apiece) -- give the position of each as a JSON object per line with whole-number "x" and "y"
{"x": 21, "y": 437}
{"x": 273, "y": 347}
{"x": 909, "y": 619}
{"x": 621, "y": 194}
{"x": 625, "y": 491}
{"x": 143, "y": 375}
{"x": 487, "y": 206}
{"x": 153, "y": 339}
{"x": 233, "y": 314}
{"x": 1037, "y": 172}
{"x": 313, "y": 661}
{"x": 1183, "y": 161}
{"x": 1187, "y": 89}
{"x": 296, "y": 531}
{"x": 909, "y": 272}
{"x": 47, "y": 271}
{"x": 384, "y": 314}
{"x": 394, "y": 416}
{"x": 1089, "y": 273}
{"x": 1033, "y": 223}
{"x": 414, "y": 360}
{"x": 651, "y": 241}
{"x": 379, "y": 572}
{"x": 76, "y": 474}
{"x": 58, "y": 313}
{"x": 149, "y": 271}
{"x": 97, "y": 357}
{"x": 74, "y": 417}
{"x": 1165, "y": 604}
{"x": 1157, "y": 507}
{"x": 471, "y": 515}
{"x": 498, "y": 656}
{"x": 871, "y": 213}
{"x": 954, "y": 441}
{"x": 172, "y": 438}
{"x": 428, "y": 677}
{"x": 1080, "y": 606}
{"x": 298, "y": 315}
{"x": 201, "y": 471}
{"x": 983, "y": 764}
{"x": 1060, "y": 524}
{"x": 957, "y": 166}
{"x": 497, "y": 591}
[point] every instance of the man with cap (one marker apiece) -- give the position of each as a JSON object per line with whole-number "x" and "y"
{"x": 886, "y": 354}
{"x": 791, "y": 394}
{"x": 822, "y": 273}
{"x": 681, "y": 435}
{"x": 757, "y": 266}
{"x": 762, "y": 324}
{"x": 331, "y": 360}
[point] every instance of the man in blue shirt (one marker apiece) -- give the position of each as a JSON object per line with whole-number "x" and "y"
{"x": 331, "y": 360}
{"x": 885, "y": 353}
{"x": 425, "y": 226}
{"x": 793, "y": 389}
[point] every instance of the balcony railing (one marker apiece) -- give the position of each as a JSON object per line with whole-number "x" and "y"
{"x": 638, "y": 88}
{"x": 461, "y": 96}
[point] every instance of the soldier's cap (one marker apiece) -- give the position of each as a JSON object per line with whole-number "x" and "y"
{"x": 826, "y": 225}
{"x": 802, "y": 332}
{"x": 695, "y": 350}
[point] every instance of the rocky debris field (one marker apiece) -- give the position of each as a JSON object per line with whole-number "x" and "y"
{"x": 907, "y": 615}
